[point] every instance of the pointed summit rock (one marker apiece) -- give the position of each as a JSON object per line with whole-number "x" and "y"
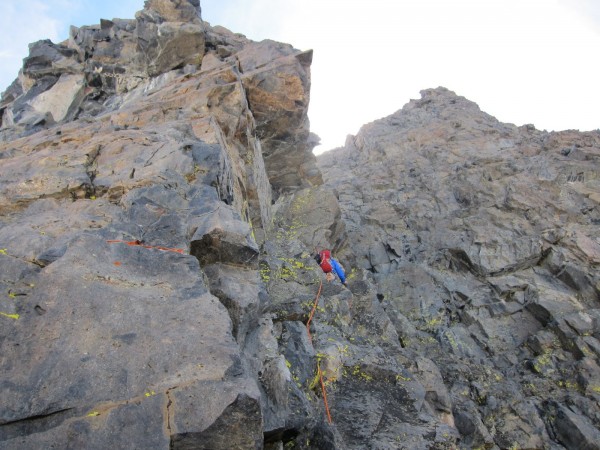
{"x": 169, "y": 34}
{"x": 171, "y": 11}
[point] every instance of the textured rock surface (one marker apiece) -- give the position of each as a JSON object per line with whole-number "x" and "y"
{"x": 481, "y": 240}
{"x": 159, "y": 208}
{"x": 134, "y": 197}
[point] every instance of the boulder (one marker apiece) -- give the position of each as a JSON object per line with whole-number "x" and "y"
{"x": 172, "y": 10}
{"x": 221, "y": 236}
{"x": 169, "y": 35}
{"x": 169, "y": 45}
{"x": 472, "y": 430}
{"x": 436, "y": 393}
{"x": 573, "y": 430}
{"x": 66, "y": 94}
{"x": 46, "y": 58}
{"x": 238, "y": 290}
{"x": 314, "y": 216}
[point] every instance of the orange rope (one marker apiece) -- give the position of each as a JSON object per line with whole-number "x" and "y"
{"x": 312, "y": 313}
{"x": 319, "y": 372}
{"x": 141, "y": 244}
{"x": 324, "y": 393}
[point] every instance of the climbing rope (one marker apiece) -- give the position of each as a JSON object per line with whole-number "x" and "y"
{"x": 319, "y": 372}
{"x": 312, "y": 313}
{"x": 324, "y": 393}
{"x": 141, "y": 244}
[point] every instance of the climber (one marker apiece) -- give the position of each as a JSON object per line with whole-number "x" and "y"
{"x": 329, "y": 265}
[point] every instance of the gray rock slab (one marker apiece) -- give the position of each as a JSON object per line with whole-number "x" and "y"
{"x": 111, "y": 330}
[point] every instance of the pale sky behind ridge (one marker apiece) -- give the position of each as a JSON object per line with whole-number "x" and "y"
{"x": 522, "y": 61}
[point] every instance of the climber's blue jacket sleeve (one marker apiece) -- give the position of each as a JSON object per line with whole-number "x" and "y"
{"x": 337, "y": 268}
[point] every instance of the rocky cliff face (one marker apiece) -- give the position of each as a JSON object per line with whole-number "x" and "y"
{"x": 159, "y": 204}
{"x": 139, "y": 163}
{"x": 481, "y": 246}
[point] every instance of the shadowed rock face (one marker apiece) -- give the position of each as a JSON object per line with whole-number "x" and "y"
{"x": 159, "y": 211}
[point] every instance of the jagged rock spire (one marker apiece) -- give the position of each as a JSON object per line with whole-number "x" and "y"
{"x": 171, "y": 11}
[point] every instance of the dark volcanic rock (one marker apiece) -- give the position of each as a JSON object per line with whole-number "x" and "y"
{"x": 159, "y": 211}
{"x": 482, "y": 241}
{"x": 134, "y": 201}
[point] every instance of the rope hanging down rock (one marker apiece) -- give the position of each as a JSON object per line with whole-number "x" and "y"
{"x": 312, "y": 313}
{"x": 319, "y": 372}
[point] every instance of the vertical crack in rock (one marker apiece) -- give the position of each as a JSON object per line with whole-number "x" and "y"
{"x": 168, "y": 420}
{"x": 91, "y": 170}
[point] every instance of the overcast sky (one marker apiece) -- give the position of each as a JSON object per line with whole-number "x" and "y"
{"x": 522, "y": 61}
